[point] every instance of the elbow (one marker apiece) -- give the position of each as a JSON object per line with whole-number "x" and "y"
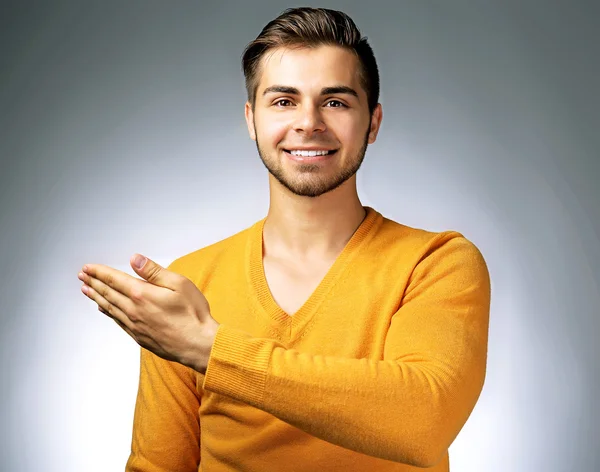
{"x": 435, "y": 435}
{"x": 430, "y": 447}
{"x": 428, "y": 457}
{"x": 424, "y": 455}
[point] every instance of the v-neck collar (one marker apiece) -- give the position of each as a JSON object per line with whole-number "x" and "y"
{"x": 284, "y": 325}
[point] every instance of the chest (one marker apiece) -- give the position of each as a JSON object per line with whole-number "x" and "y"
{"x": 291, "y": 285}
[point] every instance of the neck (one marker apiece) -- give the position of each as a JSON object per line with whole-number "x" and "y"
{"x": 312, "y": 228}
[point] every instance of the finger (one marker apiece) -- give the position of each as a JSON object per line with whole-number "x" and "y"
{"x": 110, "y": 296}
{"x": 109, "y": 309}
{"x": 117, "y": 280}
{"x": 125, "y": 328}
{"x": 155, "y": 274}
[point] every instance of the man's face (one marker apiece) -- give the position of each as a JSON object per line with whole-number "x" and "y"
{"x": 295, "y": 111}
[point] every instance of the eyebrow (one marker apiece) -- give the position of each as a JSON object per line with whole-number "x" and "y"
{"x": 324, "y": 91}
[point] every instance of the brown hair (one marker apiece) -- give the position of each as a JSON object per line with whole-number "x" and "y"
{"x": 312, "y": 27}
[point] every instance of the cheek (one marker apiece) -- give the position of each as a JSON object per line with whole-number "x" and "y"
{"x": 349, "y": 134}
{"x": 271, "y": 132}
{"x": 348, "y": 129}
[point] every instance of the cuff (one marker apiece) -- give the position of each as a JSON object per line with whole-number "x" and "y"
{"x": 238, "y": 365}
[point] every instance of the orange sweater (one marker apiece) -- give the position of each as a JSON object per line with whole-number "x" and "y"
{"x": 378, "y": 371}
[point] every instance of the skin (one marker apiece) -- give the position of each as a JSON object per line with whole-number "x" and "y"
{"x": 187, "y": 332}
{"x": 314, "y": 207}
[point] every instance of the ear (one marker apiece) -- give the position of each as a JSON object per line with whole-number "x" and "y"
{"x": 250, "y": 121}
{"x": 375, "y": 123}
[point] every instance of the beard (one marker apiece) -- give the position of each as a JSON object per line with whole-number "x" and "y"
{"x": 307, "y": 180}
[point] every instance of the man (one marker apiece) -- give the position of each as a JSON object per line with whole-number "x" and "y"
{"x": 335, "y": 339}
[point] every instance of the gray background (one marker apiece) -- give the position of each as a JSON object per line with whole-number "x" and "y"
{"x": 122, "y": 131}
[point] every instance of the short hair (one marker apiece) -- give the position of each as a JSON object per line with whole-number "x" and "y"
{"x": 312, "y": 27}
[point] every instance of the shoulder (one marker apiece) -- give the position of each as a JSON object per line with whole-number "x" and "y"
{"x": 428, "y": 246}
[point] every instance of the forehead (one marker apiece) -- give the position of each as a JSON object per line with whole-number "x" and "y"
{"x": 309, "y": 69}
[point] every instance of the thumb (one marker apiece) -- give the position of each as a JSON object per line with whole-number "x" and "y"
{"x": 149, "y": 270}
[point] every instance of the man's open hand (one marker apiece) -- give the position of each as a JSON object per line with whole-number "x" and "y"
{"x": 164, "y": 313}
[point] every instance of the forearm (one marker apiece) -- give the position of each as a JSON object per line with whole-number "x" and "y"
{"x": 408, "y": 412}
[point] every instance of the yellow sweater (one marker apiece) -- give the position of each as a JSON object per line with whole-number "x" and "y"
{"x": 378, "y": 371}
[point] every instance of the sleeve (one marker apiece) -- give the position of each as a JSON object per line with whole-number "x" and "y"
{"x": 166, "y": 423}
{"x": 166, "y": 426}
{"x": 408, "y": 407}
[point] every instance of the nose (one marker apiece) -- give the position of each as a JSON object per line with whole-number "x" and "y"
{"x": 309, "y": 120}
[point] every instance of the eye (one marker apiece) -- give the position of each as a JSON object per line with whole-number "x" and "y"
{"x": 278, "y": 102}
{"x": 339, "y": 104}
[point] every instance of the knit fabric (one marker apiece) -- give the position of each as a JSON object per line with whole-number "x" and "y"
{"x": 378, "y": 370}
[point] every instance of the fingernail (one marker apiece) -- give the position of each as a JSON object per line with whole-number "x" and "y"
{"x": 139, "y": 261}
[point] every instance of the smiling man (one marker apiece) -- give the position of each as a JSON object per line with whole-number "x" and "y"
{"x": 311, "y": 120}
{"x": 344, "y": 341}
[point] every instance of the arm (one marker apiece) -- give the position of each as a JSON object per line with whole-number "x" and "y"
{"x": 407, "y": 407}
{"x": 166, "y": 427}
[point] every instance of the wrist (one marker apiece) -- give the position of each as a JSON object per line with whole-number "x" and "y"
{"x": 207, "y": 339}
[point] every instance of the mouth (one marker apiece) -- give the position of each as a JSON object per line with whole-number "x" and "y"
{"x": 302, "y": 155}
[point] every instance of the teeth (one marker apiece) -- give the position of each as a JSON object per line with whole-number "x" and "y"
{"x": 309, "y": 153}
